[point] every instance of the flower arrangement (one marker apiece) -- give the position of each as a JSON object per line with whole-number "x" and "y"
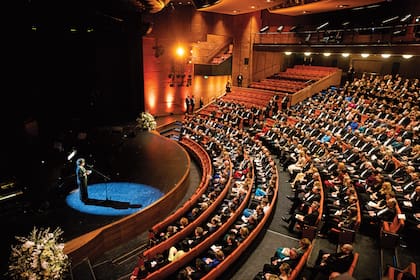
{"x": 146, "y": 121}
{"x": 39, "y": 256}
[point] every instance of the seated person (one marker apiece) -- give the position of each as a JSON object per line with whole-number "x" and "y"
{"x": 211, "y": 262}
{"x": 274, "y": 266}
{"x": 327, "y": 263}
{"x": 283, "y": 252}
{"x": 309, "y": 218}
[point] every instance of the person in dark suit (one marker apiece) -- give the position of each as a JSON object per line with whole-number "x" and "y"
{"x": 304, "y": 219}
{"x": 333, "y": 262}
{"x": 187, "y": 104}
{"x": 81, "y": 177}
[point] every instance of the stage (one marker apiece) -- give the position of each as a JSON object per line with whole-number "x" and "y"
{"x": 135, "y": 162}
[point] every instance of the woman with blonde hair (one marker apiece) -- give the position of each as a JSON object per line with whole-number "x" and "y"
{"x": 285, "y": 271}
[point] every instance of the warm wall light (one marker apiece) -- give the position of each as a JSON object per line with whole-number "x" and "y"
{"x": 364, "y": 55}
{"x": 287, "y": 53}
{"x": 327, "y": 54}
{"x": 407, "y": 56}
{"x": 180, "y": 51}
{"x": 345, "y": 54}
{"x": 386, "y": 55}
{"x": 307, "y": 53}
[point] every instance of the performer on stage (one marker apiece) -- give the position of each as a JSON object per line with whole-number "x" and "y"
{"x": 81, "y": 175}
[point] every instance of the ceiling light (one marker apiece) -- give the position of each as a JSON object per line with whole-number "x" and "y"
{"x": 386, "y": 55}
{"x": 264, "y": 29}
{"x": 287, "y": 53}
{"x": 345, "y": 54}
{"x": 306, "y": 12}
{"x": 364, "y": 55}
{"x": 407, "y": 56}
{"x": 342, "y": 6}
{"x": 326, "y": 54}
{"x": 307, "y": 53}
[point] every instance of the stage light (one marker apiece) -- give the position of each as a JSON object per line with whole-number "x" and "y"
{"x": 71, "y": 154}
{"x": 405, "y": 18}
{"x": 293, "y": 28}
{"x": 386, "y": 55}
{"x": 280, "y": 28}
{"x": 390, "y": 19}
{"x": 264, "y": 29}
{"x": 407, "y": 56}
{"x": 365, "y": 55}
{"x": 322, "y": 25}
{"x": 327, "y": 54}
{"x": 345, "y": 54}
{"x": 287, "y": 53}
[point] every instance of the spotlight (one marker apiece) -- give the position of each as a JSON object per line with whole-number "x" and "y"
{"x": 405, "y": 18}
{"x": 390, "y": 19}
{"x": 280, "y": 28}
{"x": 293, "y": 28}
{"x": 322, "y": 25}
{"x": 264, "y": 29}
{"x": 71, "y": 154}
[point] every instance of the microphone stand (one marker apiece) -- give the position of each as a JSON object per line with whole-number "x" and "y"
{"x": 103, "y": 176}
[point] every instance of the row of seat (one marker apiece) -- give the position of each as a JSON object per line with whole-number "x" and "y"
{"x": 206, "y": 167}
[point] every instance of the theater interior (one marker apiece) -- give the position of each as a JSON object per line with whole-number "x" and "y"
{"x": 272, "y": 82}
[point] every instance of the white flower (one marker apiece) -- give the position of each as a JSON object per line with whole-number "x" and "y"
{"x": 146, "y": 121}
{"x": 39, "y": 256}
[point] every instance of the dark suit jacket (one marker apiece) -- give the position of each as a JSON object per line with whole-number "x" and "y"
{"x": 339, "y": 262}
{"x": 310, "y": 219}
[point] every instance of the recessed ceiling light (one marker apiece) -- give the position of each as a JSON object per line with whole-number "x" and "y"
{"x": 306, "y": 12}
{"x": 287, "y": 53}
{"x": 252, "y": 7}
{"x": 364, "y": 55}
{"x": 307, "y": 53}
{"x": 386, "y": 55}
{"x": 327, "y": 54}
{"x": 345, "y": 54}
{"x": 407, "y": 56}
{"x": 343, "y": 6}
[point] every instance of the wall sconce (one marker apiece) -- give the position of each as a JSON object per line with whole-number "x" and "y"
{"x": 280, "y": 28}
